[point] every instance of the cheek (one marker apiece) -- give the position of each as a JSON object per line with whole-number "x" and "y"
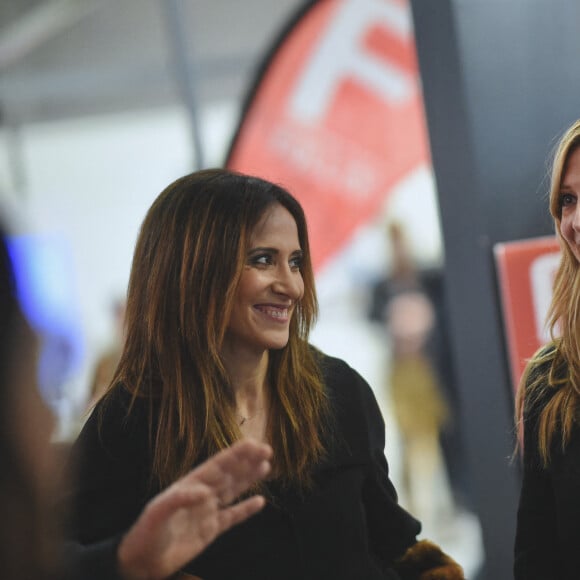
{"x": 251, "y": 282}
{"x": 566, "y": 227}
{"x": 247, "y": 294}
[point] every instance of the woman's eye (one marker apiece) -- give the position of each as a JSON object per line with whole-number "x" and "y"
{"x": 296, "y": 263}
{"x": 261, "y": 260}
{"x": 567, "y": 199}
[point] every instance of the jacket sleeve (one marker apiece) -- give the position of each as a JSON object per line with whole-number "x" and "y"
{"x": 392, "y": 530}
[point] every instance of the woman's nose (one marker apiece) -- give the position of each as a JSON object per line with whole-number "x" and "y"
{"x": 288, "y": 282}
{"x": 576, "y": 219}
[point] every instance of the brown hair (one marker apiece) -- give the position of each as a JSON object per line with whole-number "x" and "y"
{"x": 186, "y": 267}
{"x": 557, "y": 368}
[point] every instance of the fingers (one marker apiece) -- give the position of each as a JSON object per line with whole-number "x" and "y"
{"x": 243, "y": 459}
{"x": 182, "y": 520}
{"x": 232, "y": 486}
{"x": 216, "y": 482}
{"x": 199, "y": 507}
{"x": 239, "y": 512}
{"x": 232, "y": 471}
{"x": 199, "y": 502}
{"x": 178, "y": 496}
{"x": 248, "y": 463}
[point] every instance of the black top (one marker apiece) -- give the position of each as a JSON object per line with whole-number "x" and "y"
{"x": 548, "y": 527}
{"x": 349, "y": 526}
{"x": 92, "y": 562}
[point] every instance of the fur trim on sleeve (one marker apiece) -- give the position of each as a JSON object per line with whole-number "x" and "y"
{"x": 425, "y": 561}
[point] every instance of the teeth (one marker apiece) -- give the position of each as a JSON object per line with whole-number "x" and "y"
{"x": 275, "y": 312}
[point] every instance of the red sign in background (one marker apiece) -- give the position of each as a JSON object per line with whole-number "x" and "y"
{"x": 526, "y": 272}
{"x": 337, "y": 116}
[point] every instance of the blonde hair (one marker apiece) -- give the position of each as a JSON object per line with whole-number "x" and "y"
{"x": 187, "y": 264}
{"x": 556, "y": 369}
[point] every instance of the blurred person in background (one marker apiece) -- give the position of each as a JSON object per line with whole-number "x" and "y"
{"x": 220, "y": 303}
{"x": 409, "y": 304}
{"x": 173, "y": 527}
{"x": 28, "y": 471}
{"x": 419, "y": 406}
{"x": 548, "y": 400}
{"x": 108, "y": 360}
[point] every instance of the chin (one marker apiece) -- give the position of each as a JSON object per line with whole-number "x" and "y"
{"x": 277, "y": 344}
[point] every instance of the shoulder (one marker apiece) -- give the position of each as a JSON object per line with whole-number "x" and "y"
{"x": 116, "y": 422}
{"x": 341, "y": 379}
{"x": 351, "y": 397}
{"x": 119, "y": 408}
{"x": 333, "y": 368}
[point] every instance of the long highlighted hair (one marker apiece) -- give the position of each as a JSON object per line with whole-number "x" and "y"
{"x": 187, "y": 264}
{"x": 556, "y": 370}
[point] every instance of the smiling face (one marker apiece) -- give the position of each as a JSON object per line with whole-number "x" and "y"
{"x": 270, "y": 286}
{"x": 570, "y": 207}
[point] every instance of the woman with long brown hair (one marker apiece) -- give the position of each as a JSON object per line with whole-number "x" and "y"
{"x": 548, "y": 400}
{"x": 220, "y": 302}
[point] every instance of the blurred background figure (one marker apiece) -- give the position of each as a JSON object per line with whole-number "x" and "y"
{"x": 28, "y": 470}
{"x": 413, "y": 383}
{"x": 107, "y": 362}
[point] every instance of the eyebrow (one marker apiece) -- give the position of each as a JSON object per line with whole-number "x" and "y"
{"x": 272, "y": 250}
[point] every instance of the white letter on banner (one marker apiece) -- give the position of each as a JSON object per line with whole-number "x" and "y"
{"x": 542, "y": 272}
{"x": 339, "y": 56}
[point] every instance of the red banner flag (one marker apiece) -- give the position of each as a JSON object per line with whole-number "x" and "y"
{"x": 336, "y": 115}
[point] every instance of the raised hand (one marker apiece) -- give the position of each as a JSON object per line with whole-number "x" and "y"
{"x": 183, "y": 520}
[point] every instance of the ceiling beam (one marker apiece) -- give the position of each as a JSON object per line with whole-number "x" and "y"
{"x": 40, "y": 24}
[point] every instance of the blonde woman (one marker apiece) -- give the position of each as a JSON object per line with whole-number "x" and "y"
{"x": 548, "y": 529}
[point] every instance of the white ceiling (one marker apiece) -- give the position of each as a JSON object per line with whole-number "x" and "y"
{"x": 67, "y": 58}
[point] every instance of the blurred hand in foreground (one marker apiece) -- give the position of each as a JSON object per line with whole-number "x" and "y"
{"x": 180, "y": 522}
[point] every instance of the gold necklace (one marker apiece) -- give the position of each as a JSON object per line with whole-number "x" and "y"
{"x": 249, "y": 418}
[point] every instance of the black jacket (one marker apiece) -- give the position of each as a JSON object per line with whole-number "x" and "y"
{"x": 349, "y": 526}
{"x": 548, "y": 525}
